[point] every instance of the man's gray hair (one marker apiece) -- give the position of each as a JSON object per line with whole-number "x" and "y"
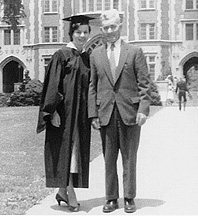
{"x": 110, "y": 14}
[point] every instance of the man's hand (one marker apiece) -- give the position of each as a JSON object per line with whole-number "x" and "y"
{"x": 141, "y": 119}
{"x": 95, "y": 123}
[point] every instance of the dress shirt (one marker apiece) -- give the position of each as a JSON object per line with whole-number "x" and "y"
{"x": 116, "y": 50}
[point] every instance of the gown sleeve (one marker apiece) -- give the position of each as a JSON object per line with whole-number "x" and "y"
{"x": 51, "y": 95}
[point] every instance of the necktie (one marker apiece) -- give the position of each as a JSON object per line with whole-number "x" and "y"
{"x": 112, "y": 60}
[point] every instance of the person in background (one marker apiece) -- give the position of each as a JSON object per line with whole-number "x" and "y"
{"x": 171, "y": 90}
{"x": 119, "y": 99}
{"x": 181, "y": 89}
{"x": 64, "y": 115}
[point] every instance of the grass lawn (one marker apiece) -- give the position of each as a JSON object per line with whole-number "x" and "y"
{"x": 22, "y": 176}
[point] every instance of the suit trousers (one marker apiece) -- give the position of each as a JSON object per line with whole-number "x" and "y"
{"x": 182, "y": 94}
{"x": 118, "y": 136}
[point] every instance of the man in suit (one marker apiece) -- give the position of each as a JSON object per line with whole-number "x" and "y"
{"x": 181, "y": 89}
{"x": 118, "y": 105}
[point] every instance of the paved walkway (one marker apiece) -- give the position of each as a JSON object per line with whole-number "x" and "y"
{"x": 167, "y": 179}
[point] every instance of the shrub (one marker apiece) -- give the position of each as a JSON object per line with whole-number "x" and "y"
{"x": 155, "y": 97}
{"x": 28, "y": 94}
{"x": 4, "y": 97}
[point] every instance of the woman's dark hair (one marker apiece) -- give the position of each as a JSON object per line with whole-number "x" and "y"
{"x": 75, "y": 26}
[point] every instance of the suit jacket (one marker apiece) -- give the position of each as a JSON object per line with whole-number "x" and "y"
{"x": 130, "y": 90}
{"x": 181, "y": 86}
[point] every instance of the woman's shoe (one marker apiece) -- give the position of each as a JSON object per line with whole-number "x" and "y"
{"x": 74, "y": 208}
{"x": 59, "y": 199}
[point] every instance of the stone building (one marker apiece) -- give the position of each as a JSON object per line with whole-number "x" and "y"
{"x": 167, "y": 31}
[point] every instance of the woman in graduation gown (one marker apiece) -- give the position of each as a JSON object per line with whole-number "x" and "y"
{"x": 63, "y": 113}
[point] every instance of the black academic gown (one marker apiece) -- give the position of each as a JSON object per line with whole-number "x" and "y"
{"x": 65, "y": 90}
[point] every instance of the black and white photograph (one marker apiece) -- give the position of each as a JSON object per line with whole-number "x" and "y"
{"x": 99, "y": 107}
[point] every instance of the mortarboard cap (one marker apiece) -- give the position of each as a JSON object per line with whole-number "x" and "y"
{"x": 82, "y": 19}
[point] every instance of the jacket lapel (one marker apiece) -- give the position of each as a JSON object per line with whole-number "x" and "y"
{"x": 106, "y": 64}
{"x": 122, "y": 59}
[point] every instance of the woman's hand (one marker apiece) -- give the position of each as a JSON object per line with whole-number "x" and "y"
{"x": 55, "y": 121}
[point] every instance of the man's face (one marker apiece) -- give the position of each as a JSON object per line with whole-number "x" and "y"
{"x": 111, "y": 30}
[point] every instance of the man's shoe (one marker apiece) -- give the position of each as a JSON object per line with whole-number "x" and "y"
{"x": 129, "y": 205}
{"x": 111, "y": 205}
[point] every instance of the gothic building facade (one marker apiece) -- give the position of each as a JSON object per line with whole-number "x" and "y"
{"x": 167, "y": 31}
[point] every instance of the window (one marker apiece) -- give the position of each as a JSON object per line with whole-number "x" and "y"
{"x": 54, "y": 34}
{"x": 84, "y": 6}
{"x": 152, "y": 71}
{"x": 107, "y": 4}
{"x": 47, "y": 6}
{"x": 50, "y": 34}
{"x": 189, "y": 31}
{"x": 7, "y": 37}
{"x": 116, "y": 4}
{"x": 147, "y": 31}
{"x": 147, "y": 4}
{"x": 151, "y": 31}
{"x": 143, "y": 32}
{"x": 151, "y": 4}
{"x": 197, "y": 31}
{"x": 151, "y": 65}
{"x": 191, "y": 4}
{"x": 151, "y": 58}
{"x": 11, "y": 37}
{"x": 143, "y": 4}
{"x": 99, "y": 5}
{"x": 91, "y": 5}
{"x": 47, "y": 35}
{"x": 54, "y": 6}
{"x": 50, "y": 6}
{"x": 17, "y": 37}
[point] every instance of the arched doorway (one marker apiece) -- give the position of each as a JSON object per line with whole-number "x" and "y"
{"x": 191, "y": 73}
{"x": 192, "y": 62}
{"x": 12, "y": 73}
{"x": 190, "y": 70}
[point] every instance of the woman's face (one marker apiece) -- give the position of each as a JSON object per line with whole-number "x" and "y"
{"x": 81, "y": 35}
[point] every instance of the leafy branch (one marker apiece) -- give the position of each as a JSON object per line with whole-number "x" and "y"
{"x": 13, "y": 12}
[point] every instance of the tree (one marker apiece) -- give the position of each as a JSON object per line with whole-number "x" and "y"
{"x": 13, "y": 12}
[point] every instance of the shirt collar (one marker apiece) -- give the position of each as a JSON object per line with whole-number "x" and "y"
{"x": 72, "y": 46}
{"x": 117, "y": 44}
